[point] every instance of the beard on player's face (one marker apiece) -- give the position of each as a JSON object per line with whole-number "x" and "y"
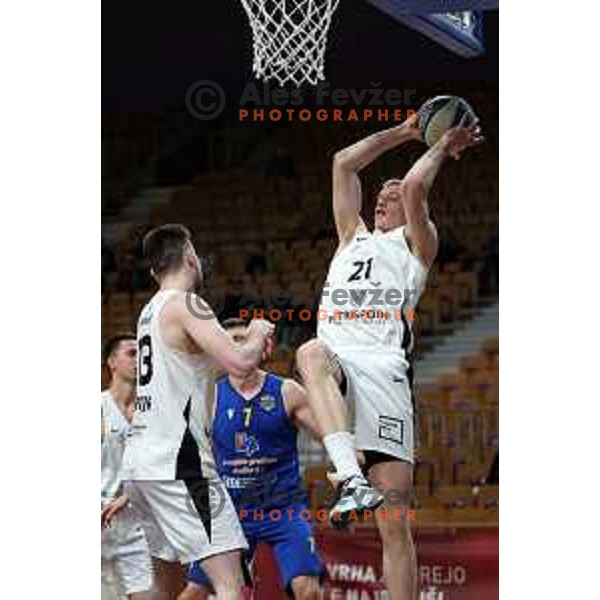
{"x": 198, "y": 281}
{"x": 194, "y": 265}
{"x": 131, "y": 375}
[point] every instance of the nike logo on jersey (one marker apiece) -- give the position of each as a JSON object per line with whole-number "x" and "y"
{"x": 230, "y": 413}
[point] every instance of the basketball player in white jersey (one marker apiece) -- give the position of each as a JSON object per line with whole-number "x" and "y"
{"x": 168, "y": 459}
{"x": 126, "y": 561}
{"x": 365, "y": 338}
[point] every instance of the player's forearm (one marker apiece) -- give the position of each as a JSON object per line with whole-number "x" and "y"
{"x": 363, "y": 153}
{"x": 424, "y": 171}
{"x": 237, "y": 360}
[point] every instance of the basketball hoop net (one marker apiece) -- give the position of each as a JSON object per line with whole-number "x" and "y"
{"x": 289, "y": 38}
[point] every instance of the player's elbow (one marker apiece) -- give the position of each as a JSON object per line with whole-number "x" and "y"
{"x": 342, "y": 161}
{"x": 414, "y": 187}
{"x": 414, "y": 193}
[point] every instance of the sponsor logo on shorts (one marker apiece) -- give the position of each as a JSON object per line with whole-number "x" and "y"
{"x": 391, "y": 429}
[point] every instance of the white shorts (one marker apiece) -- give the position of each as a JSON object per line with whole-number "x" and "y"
{"x": 379, "y": 396}
{"x": 187, "y": 521}
{"x": 126, "y": 563}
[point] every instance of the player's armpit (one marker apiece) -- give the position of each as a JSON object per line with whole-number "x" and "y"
{"x": 298, "y": 408}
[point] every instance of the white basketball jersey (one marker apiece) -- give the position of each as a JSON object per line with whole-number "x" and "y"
{"x": 169, "y": 439}
{"x": 115, "y": 429}
{"x": 372, "y": 284}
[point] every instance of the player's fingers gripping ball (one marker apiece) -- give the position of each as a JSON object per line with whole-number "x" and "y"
{"x": 441, "y": 113}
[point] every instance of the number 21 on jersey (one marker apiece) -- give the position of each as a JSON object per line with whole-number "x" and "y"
{"x": 363, "y": 269}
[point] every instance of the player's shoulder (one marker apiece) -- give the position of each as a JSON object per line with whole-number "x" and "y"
{"x": 275, "y": 380}
{"x": 175, "y": 297}
{"x": 106, "y": 401}
{"x": 293, "y": 395}
{"x": 177, "y": 305}
{"x": 361, "y": 234}
{"x": 430, "y": 225}
{"x": 362, "y": 231}
{"x": 184, "y": 305}
{"x": 292, "y": 391}
{"x": 402, "y": 234}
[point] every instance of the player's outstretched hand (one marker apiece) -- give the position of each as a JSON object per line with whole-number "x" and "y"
{"x": 465, "y": 135}
{"x": 112, "y": 509}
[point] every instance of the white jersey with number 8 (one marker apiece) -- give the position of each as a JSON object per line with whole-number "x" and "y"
{"x": 168, "y": 439}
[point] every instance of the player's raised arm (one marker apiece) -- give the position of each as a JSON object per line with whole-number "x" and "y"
{"x": 347, "y": 163}
{"x": 298, "y": 408}
{"x": 417, "y": 184}
{"x": 207, "y": 333}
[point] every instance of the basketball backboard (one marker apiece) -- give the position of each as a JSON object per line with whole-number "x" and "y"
{"x": 455, "y": 24}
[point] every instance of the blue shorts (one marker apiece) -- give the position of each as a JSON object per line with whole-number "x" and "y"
{"x": 292, "y": 542}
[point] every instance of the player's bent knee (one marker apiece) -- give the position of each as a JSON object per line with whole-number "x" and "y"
{"x": 140, "y": 595}
{"x": 396, "y": 533}
{"x": 193, "y": 592}
{"x": 227, "y": 586}
{"x": 227, "y": 583}
{"x": 312, "y": 358}
{"x": 306, "y": 588}
{"x": 228, "y": 592}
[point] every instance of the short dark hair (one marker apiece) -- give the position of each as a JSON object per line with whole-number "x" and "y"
{"x": 164, "y": 248}
{"x": 113, "y": 343}
{"x": 232, "y": 323}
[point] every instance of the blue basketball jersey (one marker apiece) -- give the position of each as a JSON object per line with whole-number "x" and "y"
{"x": 255, "y": 447}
